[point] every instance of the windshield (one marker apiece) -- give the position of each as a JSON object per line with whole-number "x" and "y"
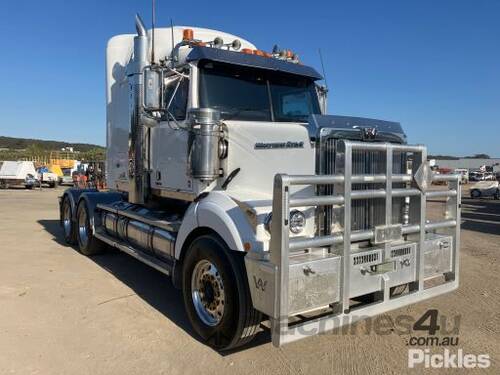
{"x": 254, "y": 94}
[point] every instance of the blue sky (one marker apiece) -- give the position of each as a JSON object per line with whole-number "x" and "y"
{"x": 434, "y": 66}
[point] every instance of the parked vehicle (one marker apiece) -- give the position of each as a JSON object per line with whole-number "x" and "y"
{"x": 45, "y": 176}
{"x": 464, "y": 173}
{"x": 489, "y": 176}
{"x": 225, "y": 173}
{"x": 483, "y": 189}
{"x": 18, "y": 173}
{"x": 67, "y": 177}
{"x": 481, "y": 176}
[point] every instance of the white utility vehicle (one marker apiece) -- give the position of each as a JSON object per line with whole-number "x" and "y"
{"x": 225, "y": 172}
{"x": 18, "y": 173}
{"x": 485, "y": 189}
{"x": 45, "y": 176}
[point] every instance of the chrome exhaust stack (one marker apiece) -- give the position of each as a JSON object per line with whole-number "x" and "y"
{"x": 138, "y": 142}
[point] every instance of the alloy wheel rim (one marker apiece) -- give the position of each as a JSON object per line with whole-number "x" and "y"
{"x": 67, "y": 220}
{"x": 83, "y": 233}
{"x": 207, "y": 290}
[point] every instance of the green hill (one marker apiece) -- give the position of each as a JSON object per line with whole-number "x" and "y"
{"x": 13, "y": 143}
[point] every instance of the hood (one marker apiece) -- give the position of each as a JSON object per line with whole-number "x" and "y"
{"x": 263, "y": 149}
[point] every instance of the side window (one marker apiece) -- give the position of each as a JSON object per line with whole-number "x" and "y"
{"x": 176, "y": 94}
{"x": 295, "y": 104}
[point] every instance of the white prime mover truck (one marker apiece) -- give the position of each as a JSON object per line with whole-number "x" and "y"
{"x": 226, "y": 174}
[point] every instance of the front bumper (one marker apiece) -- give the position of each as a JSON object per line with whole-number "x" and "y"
{"x": 328, "y": 274}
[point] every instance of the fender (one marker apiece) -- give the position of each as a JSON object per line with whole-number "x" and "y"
{"x": 93, "y": 198}
{"x": 73, "y": 195}
{"x": 218, "y": 212}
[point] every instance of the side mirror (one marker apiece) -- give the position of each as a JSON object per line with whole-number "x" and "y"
{"x": 322, "y": 97}
{"x": 153, "y": 89}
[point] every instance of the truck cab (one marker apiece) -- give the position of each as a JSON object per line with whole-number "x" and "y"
{"x": 226, "y": 173}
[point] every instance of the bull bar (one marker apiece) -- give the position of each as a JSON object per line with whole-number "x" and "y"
{"x": 281, "y": 245}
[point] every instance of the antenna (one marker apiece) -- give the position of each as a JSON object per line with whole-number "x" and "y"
{"x": 172, "y": 31}
{"x": 172, "y": 56}
{"x": 153, "y": 20}
{"x": 323, "y": 68}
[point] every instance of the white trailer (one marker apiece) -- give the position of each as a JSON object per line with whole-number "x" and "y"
{"x": 226, "y": 174}
{"x": 18, "y": 173}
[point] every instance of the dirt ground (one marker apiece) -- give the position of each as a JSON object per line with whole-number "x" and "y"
{"x": 63, "y": 313}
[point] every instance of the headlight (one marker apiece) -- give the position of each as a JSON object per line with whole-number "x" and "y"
{"x": 297, "y": 221}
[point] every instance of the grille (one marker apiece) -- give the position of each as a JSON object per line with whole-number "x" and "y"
{"x": 400, "y": 252}
{"x": 366, "y": 213}
{"x": 365, "y": 258}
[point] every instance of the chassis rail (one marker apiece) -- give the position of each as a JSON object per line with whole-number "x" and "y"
{"x": 282, "y": 245}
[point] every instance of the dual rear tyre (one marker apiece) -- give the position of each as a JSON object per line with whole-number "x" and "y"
{"x": 79, "y": 233}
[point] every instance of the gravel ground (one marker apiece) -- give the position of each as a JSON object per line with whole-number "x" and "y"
{"x": 63, "y": 313}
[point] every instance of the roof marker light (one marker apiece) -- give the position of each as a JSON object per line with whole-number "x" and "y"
{"x": 187, "y": 35}
{"x": 248, "y": 51}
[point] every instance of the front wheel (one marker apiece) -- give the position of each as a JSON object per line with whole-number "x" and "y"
{"x": 216, "y": 294}
{"x": 475, "y": 194}
{"x": 87, "y": 243}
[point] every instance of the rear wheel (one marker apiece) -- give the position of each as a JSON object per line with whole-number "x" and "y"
{"x": 216, "y": 294}
{"x": 67, "y": 222}
{"x": 87, "y": 243}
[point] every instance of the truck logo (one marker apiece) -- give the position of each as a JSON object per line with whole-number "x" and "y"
{"x": 259, "y": 283}
{"x": 369, "y": 133}
{"x": 273, "y": 145}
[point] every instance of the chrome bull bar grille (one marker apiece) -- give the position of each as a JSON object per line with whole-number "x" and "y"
{"x": 365, "y": 213}
{"x": 378, "y": 184}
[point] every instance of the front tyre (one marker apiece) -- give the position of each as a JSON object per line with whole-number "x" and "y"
{"x": 87, "y": 243}
{"x": 216, "y": 294}
{"x": 475, "y": 194}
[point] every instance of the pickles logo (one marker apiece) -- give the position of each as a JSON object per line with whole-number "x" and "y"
{"x": 259, "y": 283}
{"x": 447, "y": 359}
